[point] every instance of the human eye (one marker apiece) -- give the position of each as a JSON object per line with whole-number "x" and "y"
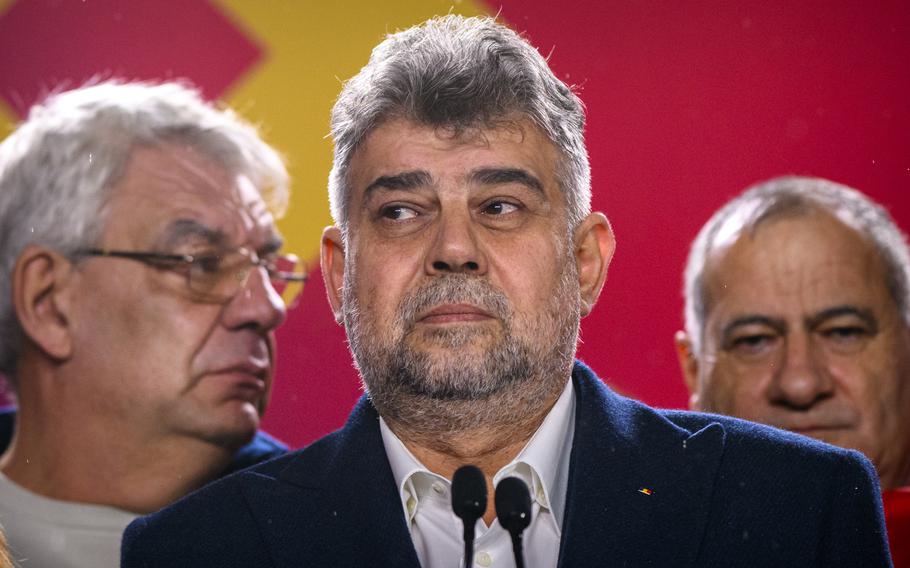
{"x": 499, "y": 207}
{"x": 397, "y": 212}
{"x": 207, "y": 263}
{"x": 844, "y": 337}
{"x": 753, "y": 345}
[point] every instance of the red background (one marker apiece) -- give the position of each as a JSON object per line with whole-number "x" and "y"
{"x": 689, "y": 102}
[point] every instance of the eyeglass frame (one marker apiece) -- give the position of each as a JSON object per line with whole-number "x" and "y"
{"x": 174, "y": 261}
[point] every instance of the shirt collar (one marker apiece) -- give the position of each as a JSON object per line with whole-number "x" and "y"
{"x": 405, "y": 468}
{"x": 543, "y": 463}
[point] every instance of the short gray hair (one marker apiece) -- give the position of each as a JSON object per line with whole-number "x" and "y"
{"x": 796, "y": 196}
{"x": 460, "y": 72}
{"x": 58, "y": 167}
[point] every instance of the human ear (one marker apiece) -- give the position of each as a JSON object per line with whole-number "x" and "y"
{"x": 594, "y": 246}
{"x": 331, "y": 260}
{"x": 688, "y": 364}
{"x": 41, "y": 298}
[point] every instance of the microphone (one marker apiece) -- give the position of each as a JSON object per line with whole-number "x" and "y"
{"x": 513, "y": 509}
{"x": 469, "y": 502}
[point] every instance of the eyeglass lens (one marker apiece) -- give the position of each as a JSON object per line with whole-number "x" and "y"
{"x": 223, "y": 279}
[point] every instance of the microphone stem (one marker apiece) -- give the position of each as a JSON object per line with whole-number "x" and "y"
{"x": 517, "y": 550}
{"x": 468, "y": 552}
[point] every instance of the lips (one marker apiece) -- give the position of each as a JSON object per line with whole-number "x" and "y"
{"x": 454, "y": 313}
{"x": 246, "y": 379}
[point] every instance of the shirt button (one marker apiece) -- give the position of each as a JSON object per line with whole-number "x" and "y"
{"x": 483, "y": 559}
{"x": 439, "y": 488}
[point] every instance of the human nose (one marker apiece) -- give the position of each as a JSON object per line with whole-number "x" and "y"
{"x": 456, "y": 247}
{"x": 802, "y": 379}
{"x": 257, "y": 304}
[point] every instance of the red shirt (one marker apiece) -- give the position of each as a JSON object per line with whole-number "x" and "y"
{"x": 897, "y": 519}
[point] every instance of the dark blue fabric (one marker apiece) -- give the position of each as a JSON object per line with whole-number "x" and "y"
{"x": 262, "y": 448}
{"x": 646, "y": 488}
{"x": 7, "y": 424}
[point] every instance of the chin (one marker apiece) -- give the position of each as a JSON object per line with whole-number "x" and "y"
{"x": 232, "y": 429}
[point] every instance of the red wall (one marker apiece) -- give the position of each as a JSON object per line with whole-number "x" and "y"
{"x": 688, "y": 103}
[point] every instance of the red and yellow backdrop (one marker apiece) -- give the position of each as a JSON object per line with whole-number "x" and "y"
{"x": 688, "y": 103}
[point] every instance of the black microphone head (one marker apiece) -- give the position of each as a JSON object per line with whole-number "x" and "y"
{"x": 513, "y": 504}
{"x": 469, "y": 494}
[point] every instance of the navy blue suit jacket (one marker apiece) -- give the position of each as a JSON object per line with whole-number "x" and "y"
{"x": 720, "y": 492}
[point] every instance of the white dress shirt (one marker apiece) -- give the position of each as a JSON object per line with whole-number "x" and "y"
{"x": 543, "y": 465}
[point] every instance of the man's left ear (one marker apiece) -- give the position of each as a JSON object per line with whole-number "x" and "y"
{"x": 594, "y": 246}
{"x": 688, "y": 366}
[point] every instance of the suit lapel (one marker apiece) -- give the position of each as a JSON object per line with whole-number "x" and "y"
{"x": 336, "y": 503}
{"x": 639, "y": 486}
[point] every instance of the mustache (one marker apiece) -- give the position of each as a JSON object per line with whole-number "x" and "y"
{"x": 453, "y": 289}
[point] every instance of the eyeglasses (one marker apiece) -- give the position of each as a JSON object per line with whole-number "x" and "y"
{"x": 217, "y": 278}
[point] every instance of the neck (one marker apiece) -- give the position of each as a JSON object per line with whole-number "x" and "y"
{"x": 490, "y": 444}
{"x": 64, "y": 451}
{"x": 140, "y": 479}
{"x": 894, "y": 478}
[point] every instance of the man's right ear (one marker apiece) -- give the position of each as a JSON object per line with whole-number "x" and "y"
{"x": 41, "y": 297}
{"x": 688, "y": 364}
{"x": 331, "y": 260}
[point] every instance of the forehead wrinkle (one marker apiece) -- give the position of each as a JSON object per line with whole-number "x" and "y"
{"x": 189, "y": 170}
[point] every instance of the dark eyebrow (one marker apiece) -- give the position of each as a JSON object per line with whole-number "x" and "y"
{"x": 778, "y": 325}
{"x": 180, "y": 231}
{"x": 497, "y": 176}
{"x": 866, "y": 315}
{"x": 403, "y": 180}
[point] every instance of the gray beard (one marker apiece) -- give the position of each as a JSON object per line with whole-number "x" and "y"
{"x": 437, "y": 396}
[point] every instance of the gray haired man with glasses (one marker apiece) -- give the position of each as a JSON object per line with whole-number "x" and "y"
{"x": 142, "y": 278}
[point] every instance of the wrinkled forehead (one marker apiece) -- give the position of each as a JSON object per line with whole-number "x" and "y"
{"x": 750, "y": 217}
{"x": 174, "y": 193}
{"x": 815, "y": 257}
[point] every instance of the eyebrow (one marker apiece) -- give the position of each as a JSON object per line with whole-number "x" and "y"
{"x": 497, "y": 176}
{"x": 403, "y": 180}
{"x": 838, "y": 311}
{"x": 777, "y": 324}
{"x": 180, "y": 231}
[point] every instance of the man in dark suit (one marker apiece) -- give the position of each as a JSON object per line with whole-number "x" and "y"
{"x": 137, "y": 307}
{"x": 463, "y": 257}
{"x": 797, "y": 311}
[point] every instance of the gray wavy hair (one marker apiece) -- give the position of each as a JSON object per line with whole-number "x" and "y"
{"x": 790, "y": 196}
{"x": 460, "y": 72}
{"x": 58, "y": 167}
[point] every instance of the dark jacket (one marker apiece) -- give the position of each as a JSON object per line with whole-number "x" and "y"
{"x": 646, "y": 488}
